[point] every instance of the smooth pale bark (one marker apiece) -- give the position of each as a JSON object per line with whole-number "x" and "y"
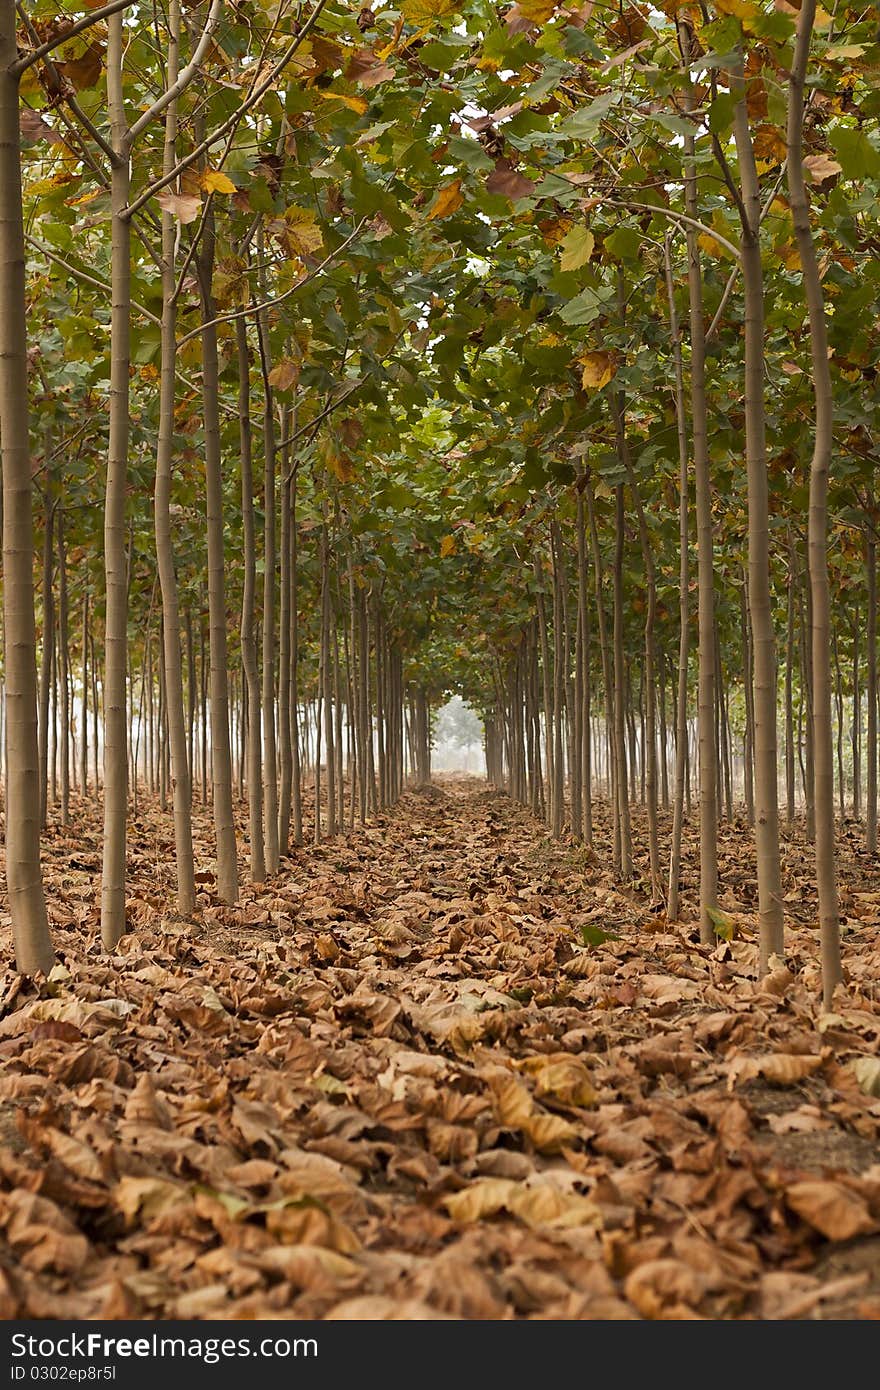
{"x": 27, "y": 904}
{"x": 296, "y": 768}
{"x": 838, "y": 691}
{"x": 270, "y": 751}
{"x": 673, "y": 888}
{"x": 770, "y": 919}
{"x": 649, "y": 742}
{"x": 285, "y": 745}
{"x": 620, "y": 694}
{"x": 789, "y": 681}
{"x": 856, "y": 725}
{"x": 115, "y": 567}
{"x": 607, "y": 670}
{"x": 547, "y": 686}
{"x": 582, "y": 657}
{"x": 808, "y": 758}
{"x": 871, "y": 691}
{"x": 48, "y": 647}
{"x": 817, "y": 534}
{"x": 172, "y": 665}
{"x": 559, "y": 654}
{"x": 64, "y": 665}
{"x": 749, "y": 736}
{"x": 248, "y": 615}
{"x": 706, "y": 750}
{"x": 221, "y": 758}
{"x": 84, "y": 739}
{"x": 192, "y": 695}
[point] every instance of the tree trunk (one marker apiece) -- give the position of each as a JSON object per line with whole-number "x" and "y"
{"x": 620, "y": 695}
{"x": 174, "y": 712}
{"x": 221, "y": 759}
{"x": 681, "y": 732}
{"x": 248, "y": 634}
{"x": 27, "y": 904}
{"x": 46, "y": 653}
{"x": 766, "y": 811}
{"x": 115, "y": 568}
{"x": 817, "y": 536}
{"x": 706, "y": 757}
{"x": 270, "y": 752}
{"x": 871, "y": 692}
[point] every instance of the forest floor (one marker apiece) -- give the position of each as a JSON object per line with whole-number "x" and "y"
{"x": 410, "y": 1079}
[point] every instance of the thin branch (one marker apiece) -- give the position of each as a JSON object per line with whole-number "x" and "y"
{"x": 184, "y": 78}
{"x": 82, "y": 275}
{"x": 676, "y": 216}
{"x": 27, "y": 60}
{"x": 250, "y": 101}
{"x": 250, "y": 309}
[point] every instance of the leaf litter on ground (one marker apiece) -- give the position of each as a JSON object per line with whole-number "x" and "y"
{"x": 444, "y": 1068}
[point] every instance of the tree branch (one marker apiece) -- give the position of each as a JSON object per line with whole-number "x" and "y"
{"x": 27, "y": 60}
{"x": 250, "y": 101}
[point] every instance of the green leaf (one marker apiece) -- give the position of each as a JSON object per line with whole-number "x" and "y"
{"x": 858, "y": 157}
{"x": 624, "y": 244}
{"x": 585, "y": 307}
{"x": 595, "y": 936}
{"x": 577, "y": 248}
{"x": 721, "y": 112}
{"x": 723, "y": 925}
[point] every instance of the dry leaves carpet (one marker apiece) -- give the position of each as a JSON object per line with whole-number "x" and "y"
{"x": 397, "y": 1084}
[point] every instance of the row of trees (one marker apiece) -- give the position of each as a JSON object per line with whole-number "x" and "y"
{"x": 413, "y": 348}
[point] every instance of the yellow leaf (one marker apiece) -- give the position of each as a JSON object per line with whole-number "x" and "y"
{"x": 447, "y": 546}
{"x": 449, "y": 199}
{"x": 513, "y": 1102}
{"x": 577, "y": 248}
{"x": 357, "y": 104}
{"x": 423, "y": 11}
{"x": 214, "y": 181}
{"x": 740, "y": 9}
{"x": 549, "y": 1133}
{"x": 598, "y": 370}
{"x": 302, "y": 235}
{"x": 536, "y": 11}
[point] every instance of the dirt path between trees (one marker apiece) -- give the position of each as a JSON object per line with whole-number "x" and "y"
{"x": 410, "y": 1079}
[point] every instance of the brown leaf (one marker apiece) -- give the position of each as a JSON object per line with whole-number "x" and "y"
{"x": 830, "y": 1208}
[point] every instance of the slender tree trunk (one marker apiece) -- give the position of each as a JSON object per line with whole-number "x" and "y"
{"x": 620, "y": 695}
{"x": 221, "y": 759}
{"x": 47, "y": 651}
{"x": 115, "y": 568}
{"x": 559, "y": 657}
{"x": 95, "y": 715}
{"x": 84, "y": 740}
{"x": 871, "y": 691}
{"x": 248, "y": 634}
{"x": 181, "y": 757}
{"x": 285, "y": 744}
{"x": 749, "y": 742}
{"x": 270, "y": 752}
{"x": 856, "y": 730}
{"x": 672, "y": 897}
{"x": 296, "y": 769}
{"x": 708, "y": 792}
{"x": 838, "y": 689}
{"x": 766, "y": 811}
{"x": 817, "y": 538}
{"x": 789, "y": 679}
{"x": 27, "y": 904}
{"x": 64, "y": 663}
